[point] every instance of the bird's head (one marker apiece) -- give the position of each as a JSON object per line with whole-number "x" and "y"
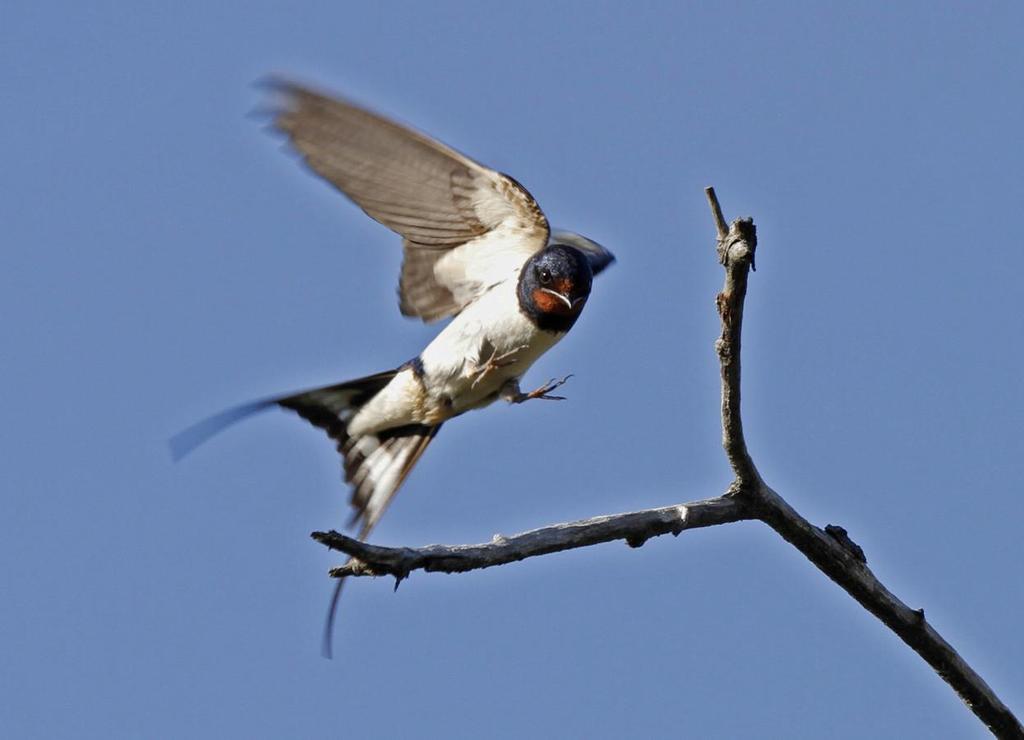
{"x": 554, "y": 286}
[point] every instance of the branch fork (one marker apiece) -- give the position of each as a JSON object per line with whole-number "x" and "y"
{"x": 748, "y": 497}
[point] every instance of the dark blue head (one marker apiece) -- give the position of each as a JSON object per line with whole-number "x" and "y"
{"x": 554, "y": 285}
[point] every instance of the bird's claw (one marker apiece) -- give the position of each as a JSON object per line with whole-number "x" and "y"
{"x": 492, "y": 363}
{"x": 544, "y": 390}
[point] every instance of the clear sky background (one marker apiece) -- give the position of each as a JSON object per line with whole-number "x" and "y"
{"x": 162, "y": 259}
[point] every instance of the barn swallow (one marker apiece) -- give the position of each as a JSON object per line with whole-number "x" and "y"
{"x": 476, "y": 247}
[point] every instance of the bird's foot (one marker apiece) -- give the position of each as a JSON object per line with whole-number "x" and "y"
{"x": 494, "y": 362}
{"x": 512, "y": 394}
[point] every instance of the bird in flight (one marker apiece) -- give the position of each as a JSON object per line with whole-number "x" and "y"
{"x": 476, "y": 247}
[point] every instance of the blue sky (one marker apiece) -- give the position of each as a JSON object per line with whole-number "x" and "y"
{"x": 163, "y": 260}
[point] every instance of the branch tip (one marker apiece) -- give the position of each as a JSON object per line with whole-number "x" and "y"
{"x": 716, "y": 212}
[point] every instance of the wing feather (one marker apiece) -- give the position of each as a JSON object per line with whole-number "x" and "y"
{"x": 439, "y": 200}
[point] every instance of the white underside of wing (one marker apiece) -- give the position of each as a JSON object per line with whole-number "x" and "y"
{"x": 470, "y": 270}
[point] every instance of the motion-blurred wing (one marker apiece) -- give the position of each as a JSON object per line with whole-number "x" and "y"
{"x": 465, "y": 227}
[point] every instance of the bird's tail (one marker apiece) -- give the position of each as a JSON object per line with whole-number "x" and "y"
{"x": 375, "y": 464}
{"x": 329, "y": 407}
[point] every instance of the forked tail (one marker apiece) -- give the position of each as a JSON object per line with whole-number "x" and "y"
{"x": 375, "y": 465}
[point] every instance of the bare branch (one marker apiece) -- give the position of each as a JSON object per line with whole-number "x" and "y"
{"x": 716, "y": 213}
{"x": 749, "y": 497}
{"x": 736, "y": 253}
{"x": 836, "y": 559}
{"x": 635, "y": 528}
{"x": 836, "y": 555}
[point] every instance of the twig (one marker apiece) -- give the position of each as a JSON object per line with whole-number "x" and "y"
{"x": 716, "y": 213}
{"x": 749, "y": 497}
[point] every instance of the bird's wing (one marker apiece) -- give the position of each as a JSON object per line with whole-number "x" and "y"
{"x": 598, "y": 257}
{"x": 465, "y": 227}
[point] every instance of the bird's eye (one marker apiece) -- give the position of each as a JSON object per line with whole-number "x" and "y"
{"x": 545, "y": 276}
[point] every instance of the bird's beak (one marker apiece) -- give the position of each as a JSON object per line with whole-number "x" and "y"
{"x": 562, "y": 297}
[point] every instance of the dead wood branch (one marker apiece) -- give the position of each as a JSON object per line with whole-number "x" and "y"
{"x": 748, "y": 497}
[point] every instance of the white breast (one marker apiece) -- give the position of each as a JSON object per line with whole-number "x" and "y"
{"x": 450, "y": 383}
{"x": 491, "y": 324}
